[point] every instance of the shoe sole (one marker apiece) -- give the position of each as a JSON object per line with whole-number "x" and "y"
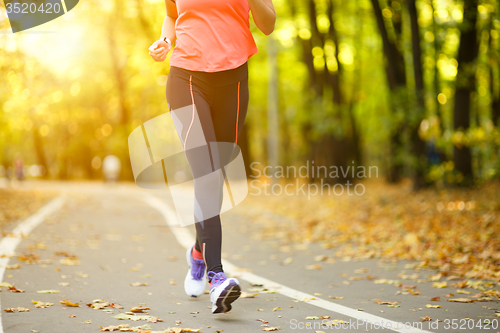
{"x": 228, "y": 296}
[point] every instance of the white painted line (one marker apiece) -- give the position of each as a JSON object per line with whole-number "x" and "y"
{"x": 186, "y": 239}
{"x": 9, "y": 243}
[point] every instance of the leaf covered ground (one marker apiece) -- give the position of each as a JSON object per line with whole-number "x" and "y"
{"x": 455, "y": 231}
{"x": 19, "y": 204}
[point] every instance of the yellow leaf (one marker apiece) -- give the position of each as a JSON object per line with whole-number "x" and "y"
{"x": 430, "y": 306}
{"x": 139, "y": 309}
{"x": 443, "y": 284}
{"x": 69, "y": 303}
{"x": 460, "y": 291}
{"x": 461, "y": 300}
{"x": 248, "y": 295}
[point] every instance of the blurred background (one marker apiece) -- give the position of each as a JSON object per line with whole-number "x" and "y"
{"x": 412, "y": 87}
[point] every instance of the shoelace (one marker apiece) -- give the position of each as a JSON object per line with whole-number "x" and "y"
{"x": 198, "y": 269}
{"x": 216, "y": 278}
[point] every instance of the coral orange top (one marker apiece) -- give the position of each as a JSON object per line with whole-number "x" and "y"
{"x": 212, "y": 35}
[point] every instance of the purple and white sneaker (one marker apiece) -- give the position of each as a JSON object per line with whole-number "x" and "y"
{"x": 196, "y": 280}
{"x": 223, "y": 291}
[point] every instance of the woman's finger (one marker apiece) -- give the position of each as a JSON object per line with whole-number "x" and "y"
{"x": 158, "y": 51}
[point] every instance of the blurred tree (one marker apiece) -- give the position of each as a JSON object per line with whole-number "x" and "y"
{"x": 418, "y": 114}
{"x": 494, "y": 65}
{"x": 396, "y": 78}
{"x": 465, "y": 86}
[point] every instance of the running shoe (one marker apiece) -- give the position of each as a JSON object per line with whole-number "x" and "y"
{"x": 196, "y": 280}
{"x": 223, "y": 291}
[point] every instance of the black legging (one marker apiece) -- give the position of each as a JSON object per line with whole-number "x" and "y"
{"x": 221, "y": 100}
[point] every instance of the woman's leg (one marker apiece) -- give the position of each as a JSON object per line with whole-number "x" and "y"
{"x": 221, "y": 101}
{"x": 229, "y": 109}
{"x": 184, "y": 88}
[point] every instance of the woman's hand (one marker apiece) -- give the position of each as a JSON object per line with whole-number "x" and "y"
{"x": 159, "y": 50}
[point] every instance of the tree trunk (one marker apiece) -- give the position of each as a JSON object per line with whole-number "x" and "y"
{"x": 396, "y": 78}
{"x": 272, "y": 106}
{"x": 437, "y": 86}
{"x": 418, "y": 145}
{"x": 465, "y": 86}
{"x": 494, "y": 76}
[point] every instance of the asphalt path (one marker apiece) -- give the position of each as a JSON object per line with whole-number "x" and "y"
{"x": 120, "y": 245}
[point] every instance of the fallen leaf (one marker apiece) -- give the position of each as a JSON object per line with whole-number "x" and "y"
{"x": 139, "y": 284}
{"x": 277, "y": 308}
{"x": 51, "y": 291}
{"x": 435, "y": 299}
{"x": 314, "y": 267}
{"x": 449, "y": 295}
{"x": 65, "y": 254}
{"x": 172, "y": 282}
{"x": 384, "y": 303}
{"x": 139, "y": 309}
{"x": 154, "y": 320}
{"x": 127, "y": 328}
{"x": 355, "y": 278}
{"x": 269, "y": 329}
{"x": 332, "y": 323}
{"x": 71, "y": 316}
{"x": 5, "y": 284}
{"x": 115, "y": 306}
{"x": 64, "y": 284}
{"x": 460, "y": 291}
{"x": 436, "y": 277}
{"x": 312, "y": 318}
{"x": 336, "y": 297}
{"x": 462, "y": 300}
{"x": 15, "y": 266}
{"x": 426, "y": 318}
{"x": 70, "y": 262}
{"x": 29, "y": 258}
{"x": 430, "y": 306}
{"x": 18, "y": 309}
{"x": 133, "y": 317}
{"x": 414, "y": 292}
{"x": 69, "y": 303}
{"x": 443, "y": 284}
{"x": 263, "y": 321}
{"x": 42, "y": 305}
{"x": 15, "y": 290}
{"x": 181, "y": 330}
{"x": 99, "y": 306}
{"x": 248, "y": 295}
{"x": 82, "y": 275}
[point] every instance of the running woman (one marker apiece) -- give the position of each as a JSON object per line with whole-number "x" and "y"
{"x": 208, "y": 71}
